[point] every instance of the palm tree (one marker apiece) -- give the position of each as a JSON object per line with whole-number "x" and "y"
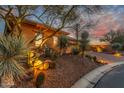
{"x": 62, "y": 43}
{"x": 12, "y": 49}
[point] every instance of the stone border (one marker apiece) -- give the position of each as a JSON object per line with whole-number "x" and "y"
{"x": 90, "y": 79}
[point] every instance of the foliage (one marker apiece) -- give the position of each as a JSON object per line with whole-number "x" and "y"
{"x": 114, "y": 37}
{"x": 47, "y": 52}
{"x": 84, "y": 41}
{"x": 51, "y": 16}
{"x": 116, "y": 46}
{"x": 89, "y": 57}
{"x": 119, "y": 39}
{"x": 95, "y": 59}
{"x": 50, "y": 53}
{"x": 75, "y": 51}
{"x": 12, "y": 49}
{"x": 62, "y": 43}
{"x": 109, "y": 36}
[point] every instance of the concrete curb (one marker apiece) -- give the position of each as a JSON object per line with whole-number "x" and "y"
{"x": 90, "y": 79}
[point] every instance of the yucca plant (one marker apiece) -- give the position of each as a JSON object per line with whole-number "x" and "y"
{"x": 12, "y": 49}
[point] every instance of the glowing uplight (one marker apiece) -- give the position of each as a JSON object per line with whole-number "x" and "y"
{"x": 38, "y": 63}
{"x": 98, "y": 49}
{"x": 102, "y": 61}
{"x": 117, "y": 54}
{"x": 34, "y": 61}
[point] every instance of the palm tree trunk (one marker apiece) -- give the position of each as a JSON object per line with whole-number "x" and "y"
{"x": 7, "y": 81}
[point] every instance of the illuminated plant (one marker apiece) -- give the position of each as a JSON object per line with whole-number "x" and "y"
{"x": 12, "y": 49}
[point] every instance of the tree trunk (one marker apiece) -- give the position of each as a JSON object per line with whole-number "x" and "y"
{"x": 61, "y": 52}
{"x": 83, "y": 51}
{"x": 7, "y": 81}
{"x": 77, "y": 37}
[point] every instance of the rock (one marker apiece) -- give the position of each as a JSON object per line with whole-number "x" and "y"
{"x": 51, "y": 64}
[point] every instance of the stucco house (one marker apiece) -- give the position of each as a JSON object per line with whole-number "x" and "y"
{"x": 30, "y": 29}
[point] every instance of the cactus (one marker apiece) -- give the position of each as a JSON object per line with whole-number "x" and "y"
{"x": 39, "y": 80}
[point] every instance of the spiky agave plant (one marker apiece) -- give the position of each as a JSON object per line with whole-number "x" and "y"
{"x": 12, "y": 49}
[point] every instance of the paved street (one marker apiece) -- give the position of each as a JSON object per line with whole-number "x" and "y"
{"x": 113, "y": 79}
{"x": 107, "y": 56}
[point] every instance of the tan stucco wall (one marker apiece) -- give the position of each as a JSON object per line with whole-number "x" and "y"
{"x": 28, "y": 31}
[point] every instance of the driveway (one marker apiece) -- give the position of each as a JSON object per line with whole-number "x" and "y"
{"x": 108, "y": 57}
{"x": 113, "y": 79}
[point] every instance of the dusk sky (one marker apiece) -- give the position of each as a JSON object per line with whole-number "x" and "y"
{"x": 111, "y": 18}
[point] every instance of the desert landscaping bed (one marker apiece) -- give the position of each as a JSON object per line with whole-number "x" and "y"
{"x": 68, "y": 70}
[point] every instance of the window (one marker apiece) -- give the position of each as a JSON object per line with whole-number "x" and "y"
{"x": 38, "y": 39}
{"x": 55, "y": 40}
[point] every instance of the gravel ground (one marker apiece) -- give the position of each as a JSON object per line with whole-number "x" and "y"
{"x": 68, "y": 70}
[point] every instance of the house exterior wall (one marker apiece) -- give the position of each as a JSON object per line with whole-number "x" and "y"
{"x": 29, "y": 33}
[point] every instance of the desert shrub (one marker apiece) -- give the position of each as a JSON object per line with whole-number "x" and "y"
{"x": 116, "y": 46}
{"x": 75, "y": 51}
{"x": 47, "y": 52}
{"x": 89, "y": 57}
{"x": 50, "y": 53}
{"x": 54, "y": 55}
{"x": 94, "y": 58}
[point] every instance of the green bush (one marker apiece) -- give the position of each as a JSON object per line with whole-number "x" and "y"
{"x": 89, "y": 57}
{"x": 75, "y": 51}
{"x": 47, "y": 52}
{"x": 116, "y": 46}
{"x": 50, "y": 53}
{"x": 94, "y": 58}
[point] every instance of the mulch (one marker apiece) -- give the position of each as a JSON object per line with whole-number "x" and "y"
{"x": 68, "y": 70}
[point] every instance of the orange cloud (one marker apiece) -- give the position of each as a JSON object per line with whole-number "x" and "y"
{"x": 106, "y": 24}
